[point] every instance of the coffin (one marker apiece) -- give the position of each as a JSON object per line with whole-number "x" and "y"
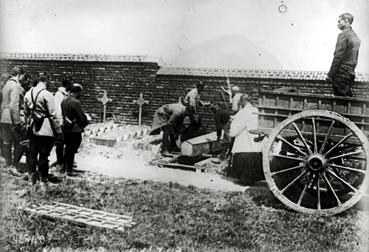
{"x": 201, "y": 145}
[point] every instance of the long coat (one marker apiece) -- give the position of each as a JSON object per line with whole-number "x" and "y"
{"x": 72, "y": 109}
{"x": 169, "y": 114}
{"x": 10, "y": 105}
{"x": 345, "y": 54}
{"x": 45, "y": 102}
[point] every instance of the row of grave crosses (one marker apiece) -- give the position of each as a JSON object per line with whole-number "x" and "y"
{"x": 140, "y": 102}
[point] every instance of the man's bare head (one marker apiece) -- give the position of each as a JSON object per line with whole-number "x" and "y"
{"x": 17, "y": 71}
{"x": 345, "y": 20}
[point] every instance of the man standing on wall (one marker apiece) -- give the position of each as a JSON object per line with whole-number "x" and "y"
{"x": 342, "y": 71}
{"x": 10, "y": 115}
{"x": 74, "y": 121}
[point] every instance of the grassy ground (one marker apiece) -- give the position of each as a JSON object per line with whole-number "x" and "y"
{"x": 171, "y": 216}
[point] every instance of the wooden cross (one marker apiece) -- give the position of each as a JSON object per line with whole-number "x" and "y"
{"x": 140, "y": 101}
{"x": 228, "y": 91}
{"x": 104, "y": 100}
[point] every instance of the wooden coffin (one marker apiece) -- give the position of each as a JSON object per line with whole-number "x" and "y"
{"x": 201, "y": 145}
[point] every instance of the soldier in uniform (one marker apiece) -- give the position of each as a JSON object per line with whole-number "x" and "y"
{"x": 44, "y": 132}
{"x": 10, "y": 115}
{"x": 4, "y": 78}
{"x": 74, "y": 122}
{"x": 342, "y": 71}
{"x": 192, "y": 101}
{"x": 171, "y": 119}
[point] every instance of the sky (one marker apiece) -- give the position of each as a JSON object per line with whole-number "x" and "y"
{"x": 200, "y": 33}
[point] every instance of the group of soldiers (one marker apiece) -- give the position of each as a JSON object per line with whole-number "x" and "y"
{"x": 34, "y": 120}
{"x": 181, "y": 121}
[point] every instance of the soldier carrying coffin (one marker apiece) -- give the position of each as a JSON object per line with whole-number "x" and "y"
{"x": 173, "y": 119}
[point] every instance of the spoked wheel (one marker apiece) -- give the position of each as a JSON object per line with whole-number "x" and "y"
{"x": 316, "y": 162}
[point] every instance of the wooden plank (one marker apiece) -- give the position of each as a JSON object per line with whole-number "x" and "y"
{"x": 181, "y": 166}
{"x": 202, "y": 163}
{"x": 82, "y": 215}
{"x": 303, "y": 95}
{"x": 299, "y": 110}
{"x": 171, "y": 160}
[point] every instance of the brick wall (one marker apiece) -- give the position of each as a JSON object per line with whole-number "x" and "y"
{"x": 181, "y": 80}
{"x": 124, "y": 77}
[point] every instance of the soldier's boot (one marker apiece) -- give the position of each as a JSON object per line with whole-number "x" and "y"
{"x": 7, "y": 153}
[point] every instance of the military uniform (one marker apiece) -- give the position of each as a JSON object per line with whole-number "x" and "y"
{"x": 192, "y": 99}
{"x": 72, "y": 111}
{"x": 342, "y": 71}
{"x": 168, "y": 118}
{"x": 10, "y": 118}
{"x": 42, "y": 140}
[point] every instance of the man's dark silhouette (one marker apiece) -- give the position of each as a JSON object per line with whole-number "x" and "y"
{"x": 342, "y": 71}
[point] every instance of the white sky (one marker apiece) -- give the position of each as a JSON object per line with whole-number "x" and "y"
{"x": 302, "y": 38}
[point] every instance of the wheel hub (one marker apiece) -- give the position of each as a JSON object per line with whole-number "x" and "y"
{"x": 317, "y": 163}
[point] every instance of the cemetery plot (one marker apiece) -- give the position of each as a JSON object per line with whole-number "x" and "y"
{"x": 111, "y": 135}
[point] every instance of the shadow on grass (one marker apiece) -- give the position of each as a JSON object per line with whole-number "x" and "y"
{"x": 261, "y": 195}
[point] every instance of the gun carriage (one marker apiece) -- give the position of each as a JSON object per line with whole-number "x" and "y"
{"x": 316, "y": 151}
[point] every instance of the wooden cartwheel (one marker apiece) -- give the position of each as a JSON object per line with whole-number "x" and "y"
{"x": 315, "y": 162}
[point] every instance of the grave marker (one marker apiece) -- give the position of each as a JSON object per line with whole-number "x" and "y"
{"x": 140, "y": 102}
{"x": 104, "y": 100}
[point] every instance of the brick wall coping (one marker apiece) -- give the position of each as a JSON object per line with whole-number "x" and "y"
{"x": 76, "y": 57}
{"x": 252, "y": 73}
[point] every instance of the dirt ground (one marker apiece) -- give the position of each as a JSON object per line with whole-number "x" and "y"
{"x": 125, "y": 161}
{"x": 175, "y": 210}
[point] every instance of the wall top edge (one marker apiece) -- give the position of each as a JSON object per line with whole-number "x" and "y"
{"x": 252, "y": 73}
{"x": 187, "y": 71}
{"x": 76, "y": 57}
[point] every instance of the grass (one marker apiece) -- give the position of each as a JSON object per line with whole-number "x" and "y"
{"x": 170, "y": 216}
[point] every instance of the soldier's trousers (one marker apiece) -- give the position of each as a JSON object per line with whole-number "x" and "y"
{"x": 72, "y": 142}
{"x": 40, "y": 148}
{"x": 10, "y": 138}
{"x": 342, "y": 84}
